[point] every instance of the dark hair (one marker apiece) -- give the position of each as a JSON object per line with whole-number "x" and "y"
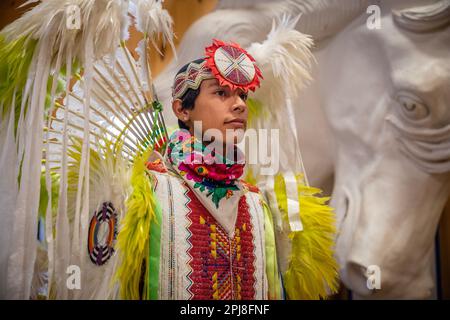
{"x": 188, "y": 102}
{"x": 189, "y": 97}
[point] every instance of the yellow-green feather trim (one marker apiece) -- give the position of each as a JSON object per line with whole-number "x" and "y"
{"x": 142, "y": 209}
{"x": 273, "y": 280}
{"x": 256, "y": 111}
{"x": 43, "y": 195}
{"x": 312, "y": 271}
{"x": 15, "y": 61}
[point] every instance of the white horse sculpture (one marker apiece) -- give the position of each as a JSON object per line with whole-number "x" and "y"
{"x": 387, "y": 99}
{"x": 381, "y": 99}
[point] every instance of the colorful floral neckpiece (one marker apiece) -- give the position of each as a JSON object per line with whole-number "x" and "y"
{"x": 212, "y": 177}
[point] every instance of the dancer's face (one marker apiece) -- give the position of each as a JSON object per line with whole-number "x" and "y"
{"x": 219, "y": 107}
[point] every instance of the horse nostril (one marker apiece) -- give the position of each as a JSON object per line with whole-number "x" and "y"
{"x": 362, "y": 279}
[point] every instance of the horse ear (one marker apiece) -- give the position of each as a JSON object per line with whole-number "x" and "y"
{"x": 424, "y": 18}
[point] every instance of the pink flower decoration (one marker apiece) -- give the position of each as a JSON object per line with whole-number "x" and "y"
{"x": 190, "y": 173}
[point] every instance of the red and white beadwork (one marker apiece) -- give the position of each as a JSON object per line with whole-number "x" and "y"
{"x": 222, "y": 267}
{"x": 191, "y": 78}
{"x": 232, "y": 66}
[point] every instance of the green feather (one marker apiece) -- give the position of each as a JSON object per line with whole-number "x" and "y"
{"x": 256, "y": 111}
{"x": 15, "y": 61}
{"x": 43, "y": 198}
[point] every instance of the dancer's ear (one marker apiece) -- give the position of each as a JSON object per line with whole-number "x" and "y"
{"x": 183, "y": 114}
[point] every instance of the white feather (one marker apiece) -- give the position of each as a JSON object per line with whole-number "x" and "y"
{"x": 8, "y": 193}
{"x": 152, "y": 20}
{"x": 105, "y": 17}
{"x": 23, "y": 248}
{"x": 285, "y": 60}
{"x": 62, "y": 254}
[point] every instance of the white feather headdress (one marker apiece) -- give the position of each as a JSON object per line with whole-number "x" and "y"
{"x": 70, "y": 131}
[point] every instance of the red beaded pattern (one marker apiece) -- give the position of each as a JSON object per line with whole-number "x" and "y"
{"x": 222, "y": 268}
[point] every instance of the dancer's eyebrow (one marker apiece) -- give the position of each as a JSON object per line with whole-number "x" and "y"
{"x": 213, "y": 84}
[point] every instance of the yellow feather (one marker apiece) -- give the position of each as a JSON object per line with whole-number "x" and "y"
{"x": 133, "y": 238}
{"x": 312, "y": 271}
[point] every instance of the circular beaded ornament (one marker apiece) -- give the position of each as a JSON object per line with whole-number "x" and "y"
{"x": 102, "y": 234}
{"x": 232, "y": 66}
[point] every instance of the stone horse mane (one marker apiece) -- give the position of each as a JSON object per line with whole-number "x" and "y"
{"x": 320, "y": 18}
{"x": 424, "y": 18}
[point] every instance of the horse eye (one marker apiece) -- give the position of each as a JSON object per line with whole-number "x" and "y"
{"x": 412, "y": 107}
